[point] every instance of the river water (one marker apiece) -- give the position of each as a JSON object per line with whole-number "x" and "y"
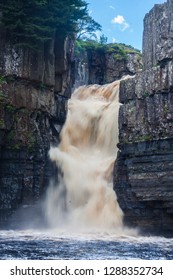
{"x": 39, "y": 245}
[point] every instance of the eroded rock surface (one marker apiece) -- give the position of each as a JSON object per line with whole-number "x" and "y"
{"x": 144, "y": 168}
{"x": 34, "y": 88}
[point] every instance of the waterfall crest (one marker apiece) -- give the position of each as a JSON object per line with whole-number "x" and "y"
{"x": 88, "y": 148}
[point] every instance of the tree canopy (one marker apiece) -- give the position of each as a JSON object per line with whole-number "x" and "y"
{"x": 33, "y": 21}
{"x": 87, "y": 28}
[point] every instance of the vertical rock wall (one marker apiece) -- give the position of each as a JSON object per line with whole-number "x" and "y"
{"x": 106, "y": 67}
{"x": 34, "y": 88}
{"x": 80, "y": 69}
{"x": 158, "y": 35}
{"x": 144, "y": 168}
{"x": 102, "y": 66}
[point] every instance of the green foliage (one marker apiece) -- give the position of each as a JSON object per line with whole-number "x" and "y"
{"x": 145, "y": 138}
{"x": 146, "y": 94}
{"x": 120, "y": 57}
{"x": 103, "y": 39}
{"x": 119, "y": 51}
{"x": 2, "y": 80}
{"x": 79, "y": 48}
{"x": 90, "y": 45}
{"x": 10, "y": 108}
{"x": 166, "y": 109}
{"x": 129, "y": 48}
{"x": 32, "y": 22}
{"x": 87, "y": 28}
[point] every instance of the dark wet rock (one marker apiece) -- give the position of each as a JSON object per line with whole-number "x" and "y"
{"x": 102, "y": 66}
{"x": 34, "y": 89}
{"x": 144, "y": 180}
{"x": 144, "y": 167}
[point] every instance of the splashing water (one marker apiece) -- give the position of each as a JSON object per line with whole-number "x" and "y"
{"x": 85, "y": 197}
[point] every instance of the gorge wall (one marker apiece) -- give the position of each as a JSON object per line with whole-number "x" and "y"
{"x": 34, "y": 88}
{"x": 107, "y": 67}
{"x": 104, "y": 64}
{"x": 144, "y": 168}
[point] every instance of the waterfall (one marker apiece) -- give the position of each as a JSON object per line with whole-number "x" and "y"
{"x": 86, "y": 154}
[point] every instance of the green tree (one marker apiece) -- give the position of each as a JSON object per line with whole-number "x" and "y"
{"x": 87, "y": 28}
{"x": 103, "y": 39}
{"x": 32, "y": 22}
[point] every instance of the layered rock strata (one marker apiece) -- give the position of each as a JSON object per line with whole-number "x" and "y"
{"x": 144, "y": 168}
{"x": 34, "y": 88}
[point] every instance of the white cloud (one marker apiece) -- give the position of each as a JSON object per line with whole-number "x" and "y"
{"x": 114, "y": 40}
{"x": 118, "y": 19}
{"x": 122, "y": 22}
{"x": 112, "y": 7}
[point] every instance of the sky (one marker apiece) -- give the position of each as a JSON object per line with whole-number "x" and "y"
{"x": 121, "y": 20}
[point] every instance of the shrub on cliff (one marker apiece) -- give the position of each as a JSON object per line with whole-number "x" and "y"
{"x": 119, "y": 50}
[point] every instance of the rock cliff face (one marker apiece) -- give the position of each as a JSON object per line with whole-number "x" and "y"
{"x": 80, "y": 69}
{"x": 144, "y": 168}
{"x": 102, "y": 66}
{"x": 106, "y": 67}
{"x": 158, "y": 35}
{"x": 34, "y": 88}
